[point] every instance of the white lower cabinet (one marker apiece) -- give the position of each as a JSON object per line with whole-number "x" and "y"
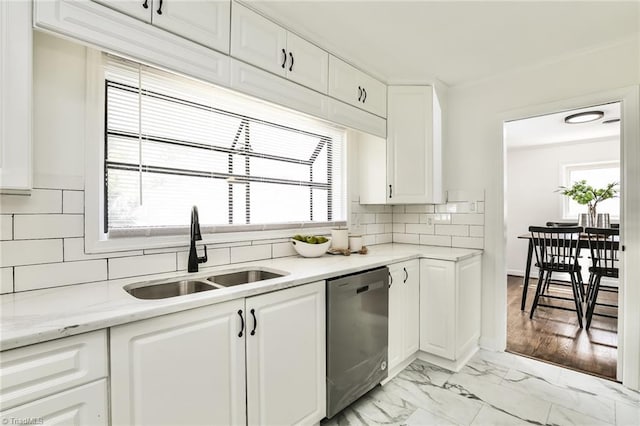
{"x": 286, "y": 356}
{"x": 62, "y": 381}
{"x": 81, "y": 406}
{"x": 190, "y": 367}
{"x": 450, "y": 310}
{"x": 404, "y": 315}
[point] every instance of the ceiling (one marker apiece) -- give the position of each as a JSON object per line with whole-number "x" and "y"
{"x": 551, "y": 128}
{"x": 451, "y": 41}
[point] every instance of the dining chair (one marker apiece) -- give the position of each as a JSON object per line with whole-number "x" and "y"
{"x": 557, "y": 250}
{"x": 578, "y": 274}
{"x": 603, "y": 245}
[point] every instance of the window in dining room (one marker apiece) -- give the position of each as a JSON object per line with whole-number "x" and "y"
{"x": 598, "y": 175}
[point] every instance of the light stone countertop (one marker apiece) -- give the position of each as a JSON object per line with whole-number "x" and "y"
{"x": 40, "y": 315}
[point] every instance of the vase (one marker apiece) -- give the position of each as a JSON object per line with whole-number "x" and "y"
{"x": 592, "y": 215}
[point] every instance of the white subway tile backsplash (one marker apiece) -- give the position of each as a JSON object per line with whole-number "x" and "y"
{"x": 272, "y": 241}
{"x": 74, "y": 250}
{"x": 462, "y": 207}
{"x": 436, "y": 218}
{"x": 368, "y": 240}
{"x": 415, "y": 228}
{"x": 215, "y": 257}
{"x": 57, "y": 274}
{"x": 6, "y": 280}
{"x": 384, "y": 238}
{"x": 436, "y": 240}
{"x": 6, "y": 227}
{"x": 420, "y": 208}
{"x": 467, "y": 219}
{"x": 249, "y": 253}
{"x": 406, "y": 218}
{"x": 388, "y": 228}
{"x": 366, "y": 218}
{"x": 398, "y": 209}
{"x": 283, "y": 250}
{"x": 480, "y": 207}
{"x": 458, "y": 230}
{"x": 406, "y": 238}
{"x": 27, "y": 227}
{"x": 384, "y": 218}
{"x": 465, "y": 195}
{"x": 377, "y": 228}
{"x": 476, "y": 231}
{"x": 141, "y": 265}
{"x": 40, "y": 201}
{"x": 399, "y": 228}
{"x": 30, "y": 252}
{"x": 72, "y": 202}
{"x": 468, "y": 242}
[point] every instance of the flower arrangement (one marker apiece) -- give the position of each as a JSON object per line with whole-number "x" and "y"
{"x": 582, "y": 193}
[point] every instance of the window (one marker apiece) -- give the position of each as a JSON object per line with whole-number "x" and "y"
{"x": 597, "y": 175}
{"x": 171, "y": 142}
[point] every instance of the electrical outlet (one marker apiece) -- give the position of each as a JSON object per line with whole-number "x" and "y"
{"x": 430, "y": 220}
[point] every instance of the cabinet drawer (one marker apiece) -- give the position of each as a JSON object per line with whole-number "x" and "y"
{"x": 35, "y": 371}
{"x": 84, "y": 405}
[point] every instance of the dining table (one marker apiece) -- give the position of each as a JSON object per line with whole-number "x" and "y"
{"x": 582, "y": 244}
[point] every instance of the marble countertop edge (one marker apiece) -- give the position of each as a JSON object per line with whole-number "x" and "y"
{"x": 40, "y": 315}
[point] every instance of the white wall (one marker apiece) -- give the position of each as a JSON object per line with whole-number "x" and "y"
{"x": 533, "y": 175}
{"x": 474, "y": 149}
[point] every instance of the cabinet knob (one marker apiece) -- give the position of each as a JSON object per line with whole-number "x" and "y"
{"x": 291, "y": 57}
{"x": 255, "y": 322}
{"x": 406, "y": 275}
{"x": 159, "y": 11}
{"x": 390, "y": 191}
{"x": 364, "y": 91}
{"x": 284, "y": 58}
{"x": 145, "y": 4}
{"x": 359, "y": 93}
{"x": 241, "y": 322}
{"x": 390, "y": 280}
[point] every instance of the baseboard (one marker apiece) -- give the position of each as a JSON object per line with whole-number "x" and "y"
{"x": 393, "y": 372}
{"x": 451, "y": 365}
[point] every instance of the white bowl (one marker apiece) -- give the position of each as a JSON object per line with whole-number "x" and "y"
{"x": 310, "y": 250}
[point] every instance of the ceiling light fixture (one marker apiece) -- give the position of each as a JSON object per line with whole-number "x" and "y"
{"x": 583, "y": 117}
{"x": 613, "y": 120}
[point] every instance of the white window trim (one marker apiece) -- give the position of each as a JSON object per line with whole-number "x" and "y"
{"x": 96, "y": 240}
{"x": 564, "y": 178}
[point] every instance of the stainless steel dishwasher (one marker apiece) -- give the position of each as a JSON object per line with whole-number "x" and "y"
{"x": 357, "y": 336}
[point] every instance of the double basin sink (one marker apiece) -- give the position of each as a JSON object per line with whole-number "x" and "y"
{"x": 167, "y": 288}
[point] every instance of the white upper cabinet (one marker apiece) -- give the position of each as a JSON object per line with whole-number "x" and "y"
{"x": 15, "y": 99}
{"x": 356, "y": 88}
{"x": 140, "y": 9}
{"x": 261, "y": 42}
{"x": 414, "y": 145}
{"x": 205, "y": 22}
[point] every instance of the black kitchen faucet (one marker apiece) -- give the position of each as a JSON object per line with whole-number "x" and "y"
{"x": 195, "y": 236}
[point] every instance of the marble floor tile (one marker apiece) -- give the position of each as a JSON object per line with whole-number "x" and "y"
{"x": 627, "y": 415}
{"x": 494, "y": 388}
{"x": 578, "y": 399}
{"x": 562, "y": 416}
{"x": 423, "y": 417}
{"x": 490, "y": 416}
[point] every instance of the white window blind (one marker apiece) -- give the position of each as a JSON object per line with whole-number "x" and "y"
{"x": 172, "y": 142}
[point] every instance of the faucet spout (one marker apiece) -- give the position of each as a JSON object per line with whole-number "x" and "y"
{"x": 194, "y": 260}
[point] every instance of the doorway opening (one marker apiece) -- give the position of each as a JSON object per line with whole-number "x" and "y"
{"x": 544, "y": 154}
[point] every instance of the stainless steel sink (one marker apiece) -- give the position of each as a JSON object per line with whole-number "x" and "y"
{"x": 163, "y": 290}
{"x": 229, "y": 279}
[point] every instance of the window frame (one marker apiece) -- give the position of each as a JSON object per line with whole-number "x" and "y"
{"x": 565, "y": 179}
{"x": 97, "y": 241}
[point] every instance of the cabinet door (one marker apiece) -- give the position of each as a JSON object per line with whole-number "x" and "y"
{"x": 413, "y": 155}
{"x": 286, "y": 356}
{"x": 347, "y": 83}
{"x": 139, "y": 9}
{"x": 258, "y": 41}
{"x": 84, "y": 405}
{"x": 437, "y": 307}
{"x": 308, "y": 64}
{"x": 396, "y": 315}
{"x": 411, "y": 307}
{"x": 15, "y": 96}
{"x": 205, "y": 22}
{"x": 183, "y": 368}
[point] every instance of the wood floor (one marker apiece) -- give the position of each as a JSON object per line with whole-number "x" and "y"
{"x": 553, "y": 335}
